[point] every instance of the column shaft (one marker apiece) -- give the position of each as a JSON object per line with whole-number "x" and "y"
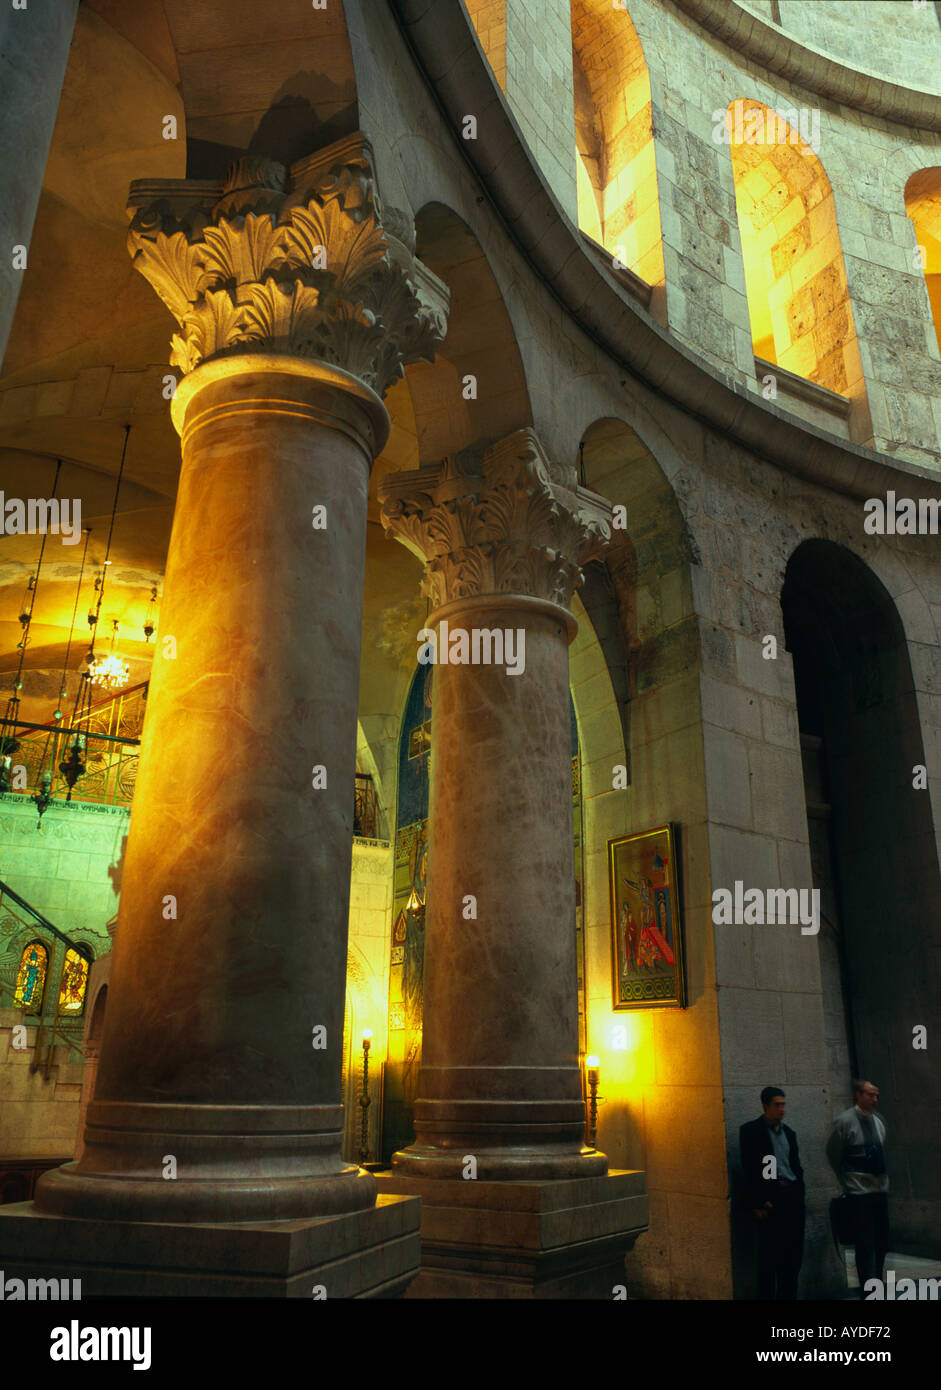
{"x": 231, "y": 944}
{"x": 500, "y": 1079}
{"x": 500, "y": 1065}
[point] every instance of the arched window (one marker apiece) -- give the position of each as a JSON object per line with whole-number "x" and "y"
{"x": 801, "y": 317}
{"x": 923, "y": 205}
{"x": 74, "y": 981}
{"x": 31, "y": 978}
{"x": 618, "y": 201}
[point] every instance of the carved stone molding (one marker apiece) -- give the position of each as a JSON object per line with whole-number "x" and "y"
{"x": 295, "y": 261}
{"x": 496, "y": 524}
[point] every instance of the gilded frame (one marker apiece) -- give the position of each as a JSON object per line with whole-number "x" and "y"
{"x": 648, "y": 965}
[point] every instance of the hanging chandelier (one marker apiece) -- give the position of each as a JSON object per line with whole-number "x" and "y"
{"x": 110, "y": 672}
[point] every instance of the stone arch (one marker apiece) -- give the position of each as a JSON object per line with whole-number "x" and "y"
{"x": 617, "y": 175}
{"x": 795, "y": 277}
{"x": 639, "y": 664}
{"x": 476, "y": 389}
{"x": 923, "y": 205}
{"x": 873, "y": 850}
{"x": 650, "y": 555}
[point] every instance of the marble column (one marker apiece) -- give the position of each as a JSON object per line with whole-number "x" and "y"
{"x": 503, "y": 545}
{"x": 34, "y": 51}
{"x": 218, "y": 1092}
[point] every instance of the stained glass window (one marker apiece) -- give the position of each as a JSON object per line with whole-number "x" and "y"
{"x": 31, "y": 978}
{"x": 74, "y": 983}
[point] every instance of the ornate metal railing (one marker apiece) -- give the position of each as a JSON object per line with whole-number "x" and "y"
{"x": 112, "y": 730}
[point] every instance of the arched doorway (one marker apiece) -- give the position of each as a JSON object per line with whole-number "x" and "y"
{"x": 874, "y": 857}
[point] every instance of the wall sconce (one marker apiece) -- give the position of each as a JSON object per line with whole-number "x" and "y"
{"x": 593, "y": 1072}
{"x": 364, "y": 1099}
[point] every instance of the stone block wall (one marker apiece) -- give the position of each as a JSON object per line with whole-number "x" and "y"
{"x": 772, "y": 981}
{"x": 901, "y": 42}
{"x": 614, "y": 124}
{"x": 670, "y": 1068}
{"x": 38, "y": 1115}
{"x": 70, "y": 871}
{"x": 530, "y": 51}
{"x": 868, "y": 163}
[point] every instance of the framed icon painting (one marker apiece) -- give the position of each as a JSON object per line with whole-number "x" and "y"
{"x": 648, "y": 968}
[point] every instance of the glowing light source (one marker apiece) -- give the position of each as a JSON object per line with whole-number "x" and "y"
{"x": 593, "y": 1071}
{"x": 110, "y": 672}
{"x": 364, "y": 1100}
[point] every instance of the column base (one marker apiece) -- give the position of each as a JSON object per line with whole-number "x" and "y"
{"x": 542, "y": 1164}
{"x": 561, "y": 1239}
{"x": 364, "y": 1254}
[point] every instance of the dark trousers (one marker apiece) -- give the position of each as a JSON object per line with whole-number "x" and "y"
{"x": 781, "y": 1242}
{"x": 871, "y": 1226}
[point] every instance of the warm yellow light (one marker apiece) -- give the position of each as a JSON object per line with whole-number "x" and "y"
{"x": 367, "y": 1035}
{"x": 592, "y": 1061}
{"x": 110, "y": 672}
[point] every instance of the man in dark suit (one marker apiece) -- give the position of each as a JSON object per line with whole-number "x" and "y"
{"x": 774, "y": 1193}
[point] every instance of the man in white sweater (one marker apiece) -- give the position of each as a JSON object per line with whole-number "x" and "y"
{"x": 856, "y": 1152}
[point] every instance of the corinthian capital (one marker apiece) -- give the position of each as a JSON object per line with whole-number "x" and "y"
{"x": 298, "y": 261}
{"x": 496, "y": 524}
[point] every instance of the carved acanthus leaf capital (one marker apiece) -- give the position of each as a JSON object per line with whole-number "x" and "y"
{"x": 496, "y": 525}
{"x": 294, "y": 261}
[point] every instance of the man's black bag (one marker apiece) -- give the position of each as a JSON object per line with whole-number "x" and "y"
{"x": 842, "y": 1220}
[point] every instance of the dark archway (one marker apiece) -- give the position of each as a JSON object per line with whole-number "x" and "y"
{"x": 875, "y": 860}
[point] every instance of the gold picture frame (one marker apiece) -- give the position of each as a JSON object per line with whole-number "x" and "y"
{"x": 648, "y": 967}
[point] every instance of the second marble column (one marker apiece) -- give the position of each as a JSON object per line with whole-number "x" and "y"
{"x": 500, "y": 1080}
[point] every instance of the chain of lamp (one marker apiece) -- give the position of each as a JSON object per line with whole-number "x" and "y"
{"x": 108, "y": 672}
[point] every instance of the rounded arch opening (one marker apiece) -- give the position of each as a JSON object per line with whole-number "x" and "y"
{"x": 795, "y": 277}
{"x": 475, "y": 391}
{"x": 923, "y": 205}
{"x": 873, "y": 852}
{"x": 618, "y": 197}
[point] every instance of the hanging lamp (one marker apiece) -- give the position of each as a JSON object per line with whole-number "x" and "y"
{"x": 111, "y": 671}
{"x": 9, "y": 742}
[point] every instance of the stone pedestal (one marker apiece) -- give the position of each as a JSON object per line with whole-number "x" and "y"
{"x": 563, "y": 1239}
{"x": 366, "y": 1254}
